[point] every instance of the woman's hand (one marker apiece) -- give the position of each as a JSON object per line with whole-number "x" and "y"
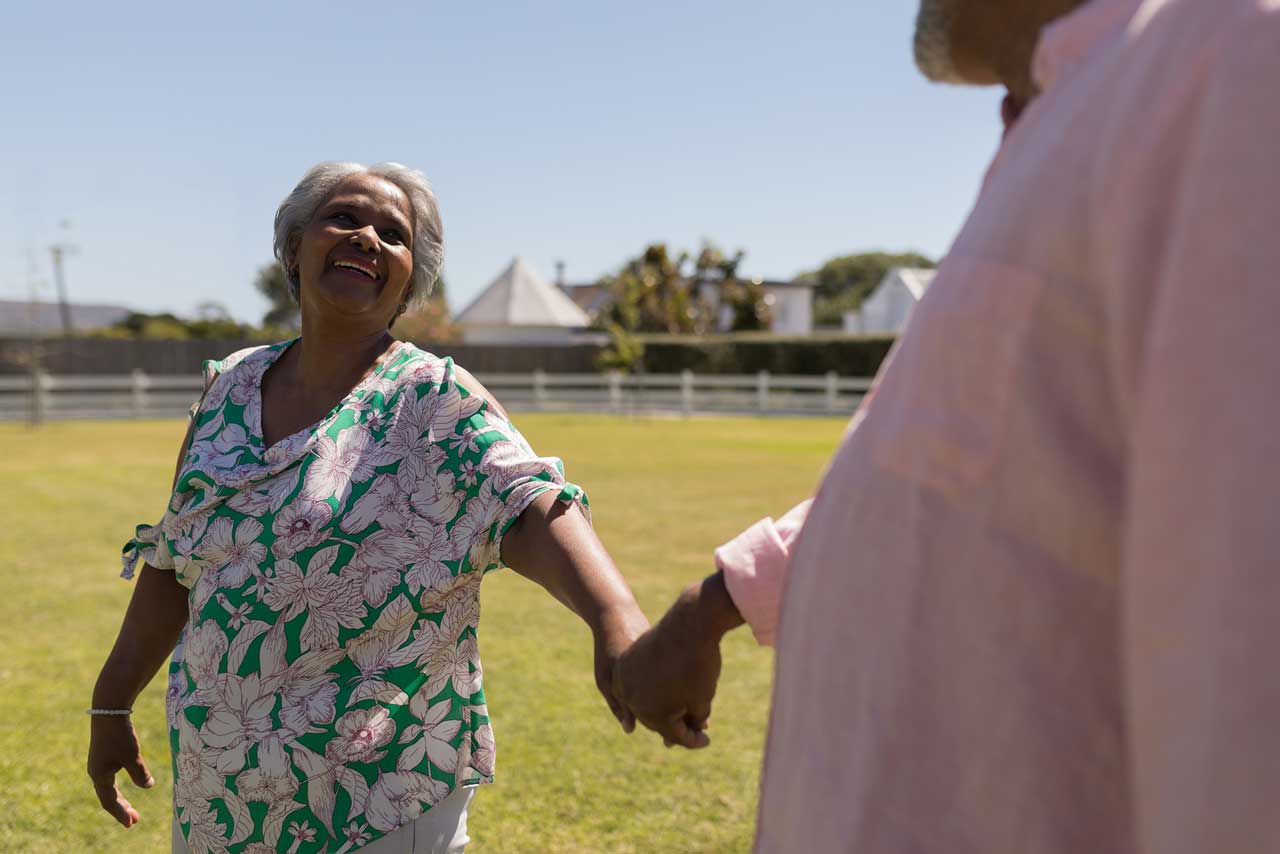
{"x": 616, "y": 634}
{"x": 150, "y": 630}
{"x": 553, "y": 544}
{"x": 113, "y": 746}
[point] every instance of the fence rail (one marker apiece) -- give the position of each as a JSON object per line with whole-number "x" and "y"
{"x": 40, "y": 397}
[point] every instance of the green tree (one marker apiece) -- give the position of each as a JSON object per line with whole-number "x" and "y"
{"x": 272, "y": 283}
{"x": 651, "y": 294}
{"x": 745, "y": 299}
{"x": 842, "y": 283}
{"x": 431, "y": 322}
{"x": 665, "y": 293}
{"x": 169, "y": 326}
{"x": 624, "y": 353}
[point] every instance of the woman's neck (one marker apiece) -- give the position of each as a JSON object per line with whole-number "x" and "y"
{"x": 330, "y": 359}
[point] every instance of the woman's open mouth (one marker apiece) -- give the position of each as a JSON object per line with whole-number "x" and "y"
{"x": 362, "y": 267}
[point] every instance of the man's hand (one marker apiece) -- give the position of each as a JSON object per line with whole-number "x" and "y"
{"x": 668, "y": 677}
{"x": 113, "y": 746}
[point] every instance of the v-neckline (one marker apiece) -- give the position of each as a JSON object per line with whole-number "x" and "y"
{"x": 375, "y": 373}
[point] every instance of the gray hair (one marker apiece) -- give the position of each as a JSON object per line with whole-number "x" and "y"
{"x": 296, "y": 211}
{"x": 933, "y": 41}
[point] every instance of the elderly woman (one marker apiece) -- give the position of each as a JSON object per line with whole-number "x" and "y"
{"x": 338, "y": 499}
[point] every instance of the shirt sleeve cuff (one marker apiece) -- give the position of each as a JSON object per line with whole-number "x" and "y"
{"x": 754, "y": 567}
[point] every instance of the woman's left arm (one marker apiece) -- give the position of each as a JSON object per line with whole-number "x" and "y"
{"x": 553, "y": 544}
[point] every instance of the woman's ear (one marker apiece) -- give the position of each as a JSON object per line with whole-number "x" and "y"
{"x": 290, "y": 262}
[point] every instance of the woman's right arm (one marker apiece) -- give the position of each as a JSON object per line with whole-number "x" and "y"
{"x": 152, "y": 624}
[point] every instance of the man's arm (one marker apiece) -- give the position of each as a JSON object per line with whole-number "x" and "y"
{"x": 668, "y": 677}
{"x": 755, "y": 565}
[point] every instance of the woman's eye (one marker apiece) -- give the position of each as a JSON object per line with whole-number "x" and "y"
{"x": 344, "y": 217}
{"x": 393, "y": 236}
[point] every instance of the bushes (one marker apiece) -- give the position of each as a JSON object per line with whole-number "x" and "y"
{"x": 744, "y": 353}
{"x": 747, "y": 354}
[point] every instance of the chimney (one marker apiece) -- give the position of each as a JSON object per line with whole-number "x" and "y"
{"x": 560, "y": 275}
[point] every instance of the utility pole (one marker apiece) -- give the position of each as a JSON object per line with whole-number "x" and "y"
{"x": 59, "y": 251}
{"x": 35, "y": 365}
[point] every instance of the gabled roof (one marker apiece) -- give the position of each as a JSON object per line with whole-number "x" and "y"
{"x": 590, "y": 297}
{"x": 916, "y": 279}
{"x": 521, "y": 297}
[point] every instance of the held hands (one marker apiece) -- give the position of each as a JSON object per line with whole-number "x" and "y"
{"x": 667, "y": 678}
{"x": 113, "y": 746}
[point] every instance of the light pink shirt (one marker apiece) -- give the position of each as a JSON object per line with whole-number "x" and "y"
{"x": 1036, "y": 603}
{"x": 755, "y": 567}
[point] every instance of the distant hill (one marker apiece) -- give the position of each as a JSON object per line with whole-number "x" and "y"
{"x": 43, "y": 318}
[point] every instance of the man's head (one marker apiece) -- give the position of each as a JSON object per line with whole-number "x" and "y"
{"x": 984, "y": 42}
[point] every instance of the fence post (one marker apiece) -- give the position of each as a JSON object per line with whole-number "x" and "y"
{"x": 40, "y": 384}
{"x": 833, "y": 391}
{"x": 762, "y": 391}
{"x": 686, "y": 392}
{"x": 138, "y": 392}
{"x": 539, "y": 389}
{"x": 615, "y": 391}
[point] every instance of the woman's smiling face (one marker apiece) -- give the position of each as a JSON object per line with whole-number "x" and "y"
{"x": 355, "y": 257}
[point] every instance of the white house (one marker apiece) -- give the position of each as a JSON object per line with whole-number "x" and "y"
{"x": 790, "y": 305}
{"x": 886, "y": 310}
{"x": 521, "y": 307}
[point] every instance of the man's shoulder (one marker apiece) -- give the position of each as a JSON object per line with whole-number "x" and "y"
{"x": 1210, "y": 25}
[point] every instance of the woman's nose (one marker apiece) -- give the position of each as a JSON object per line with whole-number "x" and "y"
{"x": 367, "y": 239}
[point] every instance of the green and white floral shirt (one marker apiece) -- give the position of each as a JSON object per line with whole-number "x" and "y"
{"x": 327, "y": 689}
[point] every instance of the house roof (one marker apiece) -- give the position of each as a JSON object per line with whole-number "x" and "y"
{"x": 20, "y": 317}
{"x": 521, "y": 297}
{"x": 916, "y": 279}
{"x": 589, "y": 297}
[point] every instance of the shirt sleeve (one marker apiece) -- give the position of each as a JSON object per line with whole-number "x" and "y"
{"x": 511, "y": 475}
{"x": 755, "y": 565}
{"x": 1201, "y": 562}
{"x": 149, "y": 543}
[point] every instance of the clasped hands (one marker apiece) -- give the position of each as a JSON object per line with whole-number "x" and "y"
{"x": 666, "y": 679}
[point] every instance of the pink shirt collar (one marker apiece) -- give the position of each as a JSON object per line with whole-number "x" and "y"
{"x": 1067, "y": 41}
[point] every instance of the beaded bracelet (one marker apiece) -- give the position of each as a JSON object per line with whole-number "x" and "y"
{"x": 108, "y": 711}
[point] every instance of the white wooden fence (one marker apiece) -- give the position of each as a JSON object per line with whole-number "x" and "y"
{"x": 42, "y": 397}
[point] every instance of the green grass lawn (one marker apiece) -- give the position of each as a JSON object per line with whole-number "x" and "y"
{"x": 664, "y": 494}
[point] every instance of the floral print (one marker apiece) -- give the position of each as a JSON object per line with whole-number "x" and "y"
{"x": 328, "y": 686}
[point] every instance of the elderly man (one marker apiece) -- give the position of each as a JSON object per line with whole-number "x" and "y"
{"x": 1034, "y": 604}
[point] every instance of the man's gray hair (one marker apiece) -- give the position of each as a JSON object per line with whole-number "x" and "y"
{"x": 298, "y": 208}
{"x": 933, "y": 41}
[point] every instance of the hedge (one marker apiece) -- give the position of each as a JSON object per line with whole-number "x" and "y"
{"x": 744, "y": 353}
{"x": 747, "y": 354}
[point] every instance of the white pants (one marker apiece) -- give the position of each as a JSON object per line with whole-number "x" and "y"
{"x": 441, "y": 830}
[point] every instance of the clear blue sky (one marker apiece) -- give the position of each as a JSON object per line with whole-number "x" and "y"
{"x": 168, "y": 133}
